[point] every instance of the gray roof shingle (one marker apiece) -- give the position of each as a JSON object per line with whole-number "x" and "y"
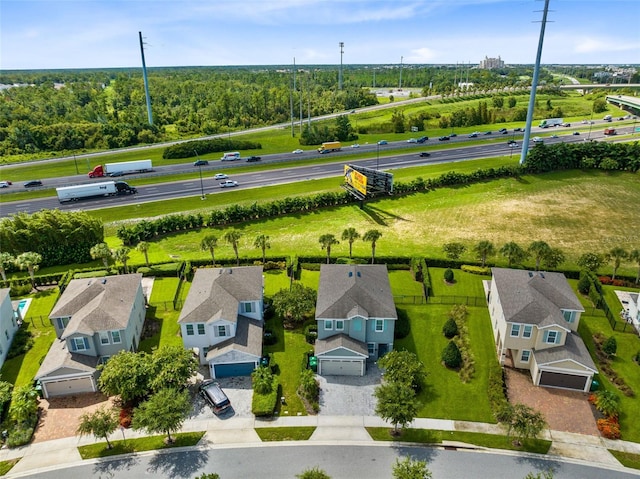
{"x": 573, "y": 349}
{"x": 347, "y": 290}
{"x": 340, "y": 341}
{"x": 59, "y": 358}
{"x": 248, "y": 339}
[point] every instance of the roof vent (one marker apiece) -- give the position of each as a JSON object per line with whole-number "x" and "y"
{"x": 530, "y": 274}
{"x": 350, "y": 274}
{"x": 358, "y": 273}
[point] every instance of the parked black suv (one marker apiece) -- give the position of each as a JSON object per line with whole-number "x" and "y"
{"x": 215, "y": 396}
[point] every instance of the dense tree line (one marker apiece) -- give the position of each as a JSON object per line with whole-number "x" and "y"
{"x": 57, "y": 111}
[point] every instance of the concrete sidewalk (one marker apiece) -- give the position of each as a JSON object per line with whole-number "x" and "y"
{"x": 329, "y": 429}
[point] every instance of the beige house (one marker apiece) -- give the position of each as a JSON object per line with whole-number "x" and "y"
{"x": 94, "y": 319}
{"x": 535, "y": 317}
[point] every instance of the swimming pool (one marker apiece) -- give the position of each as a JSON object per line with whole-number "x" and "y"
{"x": 23, "y": 306}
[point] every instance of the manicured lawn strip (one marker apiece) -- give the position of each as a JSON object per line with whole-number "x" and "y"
{"x": 445, "y": 396}
{"x": 161, "y": 311}
{"x": 21, "y": 370}
{"x": 622, "y": 364}
{"x": 466, "y": 284}
{"x": 302, "y": 433}
{"x": 164, "y": 289}
{"x": 627, "y": 459}
{"x": 403, "y": 284}
{"x": 128, "y": 446}
{"x": 274, "y": 281}
{"x": 554, "y": 202}
{"x": 5, "y": 466}
{"x": 429, "y": 436}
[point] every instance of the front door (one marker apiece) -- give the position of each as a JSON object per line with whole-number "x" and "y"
{"x": 382, "y": 349}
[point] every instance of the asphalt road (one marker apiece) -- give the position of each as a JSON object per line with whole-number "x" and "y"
{"x": 404, "y": 155}
{"x": 279, "y": 461}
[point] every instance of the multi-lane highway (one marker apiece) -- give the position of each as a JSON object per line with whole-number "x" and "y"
{"x": 387, "y": 157}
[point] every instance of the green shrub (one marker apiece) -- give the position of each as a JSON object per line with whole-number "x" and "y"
{"x": 91, "y": 274}
{"x": 20, "y": 289}
{"x": 610, "y": 346}
{"x": 262, "y": 380}
{"x": 448, "y": 275}
{"x": 5, "y": 397}
{"x": 467, "y": 268}
{"x": 451, "y": 356}
{"x": 309, "y": 387}
{"x": 403, "y": 326}
{"x": 265, "y": 404}
{"x": 450, "y": 328}
{"x": 584, "y": 284}
{"x": 269, "y": 338}
{"x": 311, "y": 333}
{"x": 22, "y": 342}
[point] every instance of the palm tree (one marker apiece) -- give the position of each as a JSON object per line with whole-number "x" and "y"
{"x": 328, "y": 240}
{"x": 122, "y": 255}
{"x": 617, "y": 254}
{"x": 209, "y": 243}
{"x": 635, "y": 256}
{"x": 262, "y": 242}
{"x": 350, "y": 235}
{"x": 233, "y": 237}
{"x": 372, "y": 236}
{"x": 513, "y": 252}
{"x": 483, "y": 250}
{"x": 101, "y": 251}
{"x": 539, "y": 250}
{"x": 143, "y": 247}
{"x": 31, "y": 262}
{"x": 6, "y": 260}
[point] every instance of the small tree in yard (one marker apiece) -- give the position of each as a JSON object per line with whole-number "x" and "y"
{"x": 31, "y": 262}
{"x": 292, "y": 304}
{"x": 210, "y": 243}
{"x": 233, "y": 238}
{"x": 313, "y": 473}
{"x": 524, "y": 422}
{"x": 171, "y": 367}
{"x": 372, "y": 236}
{"x": 262, "y": 242}
{"x": 100, "y": 423}
{"x": 453, "y": 250}
{"x": 617, "y": 255}
{"x": 450, "y": 328}
{"x": 591, "y": 261}
{"x": 514, "y": 253}
{"x": 6, "y": 260}
{"x": 584, "y": 284}
{"x": 127, "y": 375}
{"x": 610, "y": 346}
{"x": 143, "y": 247}
{"x": 451, "y": 356}
{"x": 350, "y": 235}
{"x": 101, "y": 251}
{"x": 327, "y": 241}
{"x": 262, "y": 380}
{"x": 448, "y": 275}
{"x": 165, "y": 412}
{"x": 396, "y": 402}
{"x": 411, "y": 469}
{"x": 404, "y": 367}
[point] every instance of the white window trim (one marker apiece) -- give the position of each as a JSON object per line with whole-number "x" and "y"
{"x": 328, "y": 325}
{"x": 224, "y": 329}
{"x": 381, "y": 329}
{"x": 556, "y": 337}
{"x": 522, "y": 354}
{"x": 514, "y": 326}
{"x": 186, "y": 329}
{"x": 113, "y": 340}
{"x": 84, "y": 341}
{"x": 526, "y": 334}
{"x": 338, "y": 328}
{"x": 104, "y": 335}
{"x": 198, "y": 327}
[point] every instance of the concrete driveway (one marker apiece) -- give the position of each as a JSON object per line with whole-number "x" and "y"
{"x": 349, "y": 395}
{"x": 239, "y": 392}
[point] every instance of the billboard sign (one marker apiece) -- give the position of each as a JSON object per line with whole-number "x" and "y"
{"x": 355, "y": 179}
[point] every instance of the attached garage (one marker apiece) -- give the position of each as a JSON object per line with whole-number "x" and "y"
{"x": 564, "y": 381}
{"x": 228, "y": 370}
{"x": 341, "y": 367}
{"x": 67, "y": 387}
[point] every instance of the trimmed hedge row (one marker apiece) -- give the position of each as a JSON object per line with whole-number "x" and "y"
{"x": 189, "y": 148}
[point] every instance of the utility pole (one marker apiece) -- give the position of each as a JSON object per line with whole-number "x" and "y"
{"x": 293, "y": 83}
{"x": 340, "y": 72}
{"x": 534, "y": 86}
{"x": 146, "y": 81}
{"x": 400, "y": 84}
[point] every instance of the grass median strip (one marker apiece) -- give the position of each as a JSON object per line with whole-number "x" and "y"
{"x": 127, "y": 446}
{"x": 5, "y": 466}
{"x": 430, "y": 436}
{"x": 285, "y": 433}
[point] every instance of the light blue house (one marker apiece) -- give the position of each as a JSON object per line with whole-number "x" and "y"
{"x": 94, "y": 319}
{"x": 9, "y": 323}
{"x": 356, "y": 316}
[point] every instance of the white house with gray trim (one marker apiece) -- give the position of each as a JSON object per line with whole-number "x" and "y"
{"x": 356, "y": 317}
{"x": 9, "y": 323}
{"x": 94, "y": 319}
{"x": 535, "y": 317}
{"x": 634, "y": 310}
{"x": 222, "y": 319}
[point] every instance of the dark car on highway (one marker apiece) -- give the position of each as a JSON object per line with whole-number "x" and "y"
{"x": 422, "y": 139}
{"x": 425, "y": 154}
{"x": 253, "y": 158}
{"x": 33, "y": 183}
{"x": 200, "y": 163}
{"x": 444, "y": 138}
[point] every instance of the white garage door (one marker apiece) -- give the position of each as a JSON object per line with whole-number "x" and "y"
{"x": 68, "y": 386}
{"x": 341, "y": 367}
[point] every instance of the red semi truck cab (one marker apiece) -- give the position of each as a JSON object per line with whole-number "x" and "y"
{"x": 97, "y": 172}
{"x": 610, "y": 131}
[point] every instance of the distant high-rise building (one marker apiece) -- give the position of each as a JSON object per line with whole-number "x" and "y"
{"x": 489, "y": 63}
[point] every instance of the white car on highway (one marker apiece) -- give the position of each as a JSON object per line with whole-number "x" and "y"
{"x": 220, "y": 176}
{"x": 228, "y": 184}
{"x": 298, "y": 151}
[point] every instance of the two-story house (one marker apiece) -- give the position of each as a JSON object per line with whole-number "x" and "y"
{"x": 535, "y": 317}
{"x": 94, "y": 319}
{"x": 634, "y": 310}
{"x": 9, "y": 323}
{"x": 222, "y": 319}
{"x": 356, "y": 316}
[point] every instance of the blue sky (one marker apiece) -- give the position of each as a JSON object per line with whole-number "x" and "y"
{"x": 104, "y": 33}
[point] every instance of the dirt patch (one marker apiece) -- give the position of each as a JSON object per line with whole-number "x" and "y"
{"x": 563, "y": 410}
{"x": 60, "y": 417}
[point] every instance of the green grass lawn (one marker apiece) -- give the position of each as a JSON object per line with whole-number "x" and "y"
{"x": 128, "y": 446}
{"x": 285, "y": 433}
{"x": 5, "y": 466}
{"x": 465, "y": 284}
{"x": 403, "y": 284}
{"x": 161, "y": 314}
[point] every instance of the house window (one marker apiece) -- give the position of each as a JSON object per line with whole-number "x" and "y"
{"x": 552, "y": 337}
{"x": 527, "y": 330}
{"x": 248, "y": 307}
{"x": 189, "y": 329}
{"x": 115, "y": 337}
{"x": 328, "y": 324}
{"x": 339, "y": 325}
{"x": 79, "y": 344}
{"x": 524, "y": 357}
{"x": 62, "y": 322}
{"x": 371, "y": 348}
{"x": 104, "y": 337}
{"x": 200, "y": 329}
{"x": 569, "y": 316}
{"x": 222, "y": 330}
{"x": 379, "y": 325}
{"x": 515, "y": 330}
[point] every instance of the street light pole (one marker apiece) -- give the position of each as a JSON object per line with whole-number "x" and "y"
{"x": 200, "y": 168}
{"x": 377, "y": 155}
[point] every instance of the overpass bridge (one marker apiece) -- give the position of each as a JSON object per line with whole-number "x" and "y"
{"x": 627, "y": 103}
